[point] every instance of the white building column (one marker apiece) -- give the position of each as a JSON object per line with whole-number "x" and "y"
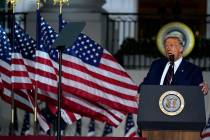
{"x": 121, "y": 6}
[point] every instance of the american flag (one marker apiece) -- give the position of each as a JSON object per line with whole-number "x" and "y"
{"x": 108, "y": 130}
{"x": 114, "y": 113}
{"x": 5, "y": 58}
{"x": 130, "y": 128}
{"x": 6, "y": 72}
{"x": 20, "y": 75}
{"x": 205, "y": 134}
{"x": 48, "y": 57}
{"x": 26, "y": 124}
{"x": 27, "y": 48}
{"x": 22, "y": 97}
{"x": 46, "y": 76}
{"x": 101, "y": 71}
{"x": 90, "y": 72}
{"x": 91, "y": 128}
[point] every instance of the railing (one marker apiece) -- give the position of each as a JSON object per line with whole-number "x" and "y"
{"x": 5, "y": 20}
{"x": 131, "y": 38}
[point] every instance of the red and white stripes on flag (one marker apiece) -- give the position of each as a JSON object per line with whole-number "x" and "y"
{"x": 78, "y": 105}
{"x": 90, "y": 72}
{"x": 67, "y": 116}
{"x": 1, "y": 85}
{"x": 22, "y": 97}
{"x": 20, "y": 77}
{"x": 107, "y": 84}
{"x": 26, "y": 47}
{"x": 104, "y": 92}
{"x": 130, "y": 128}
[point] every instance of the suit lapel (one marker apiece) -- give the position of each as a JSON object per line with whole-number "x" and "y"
{"x": 162, "y": 66}
{"x": 179, "y": 72}
{"x": 160, "y": 69}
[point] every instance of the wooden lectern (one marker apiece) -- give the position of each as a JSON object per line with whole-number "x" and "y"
{"x": 171, "y": 112}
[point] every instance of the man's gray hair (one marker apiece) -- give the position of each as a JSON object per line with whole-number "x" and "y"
{"x": 175, "y": 34}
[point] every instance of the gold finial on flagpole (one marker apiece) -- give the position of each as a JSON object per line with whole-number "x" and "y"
{"x": 38, "y": 4}
{"x": 61, "y": 3}
{"x": 13, "y": 3}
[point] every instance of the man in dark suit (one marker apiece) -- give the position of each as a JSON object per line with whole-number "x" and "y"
{"x": 173, "y": 69}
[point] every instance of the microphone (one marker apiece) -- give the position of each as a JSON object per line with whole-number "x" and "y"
{"x": 171, "y": 58}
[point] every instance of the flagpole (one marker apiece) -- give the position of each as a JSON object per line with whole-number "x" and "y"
{"x": 37, "y": 44}
{"x": 60, "y": 49}
{"x": 59, "y": 82}
{"x": 12, "y": 2}
{"x": 60, "y": 78}
{"x": 61, "y": 3}
{"x": 60, "y": 17}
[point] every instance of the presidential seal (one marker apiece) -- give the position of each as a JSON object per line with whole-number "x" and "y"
{"x": 171, "y": 103}
{"x": 188, "y": 36}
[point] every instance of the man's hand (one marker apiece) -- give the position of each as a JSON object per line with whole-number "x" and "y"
{"x": 204, "y": 87}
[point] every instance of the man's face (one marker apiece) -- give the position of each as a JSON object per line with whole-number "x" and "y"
{"x": 173, "y": 47}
